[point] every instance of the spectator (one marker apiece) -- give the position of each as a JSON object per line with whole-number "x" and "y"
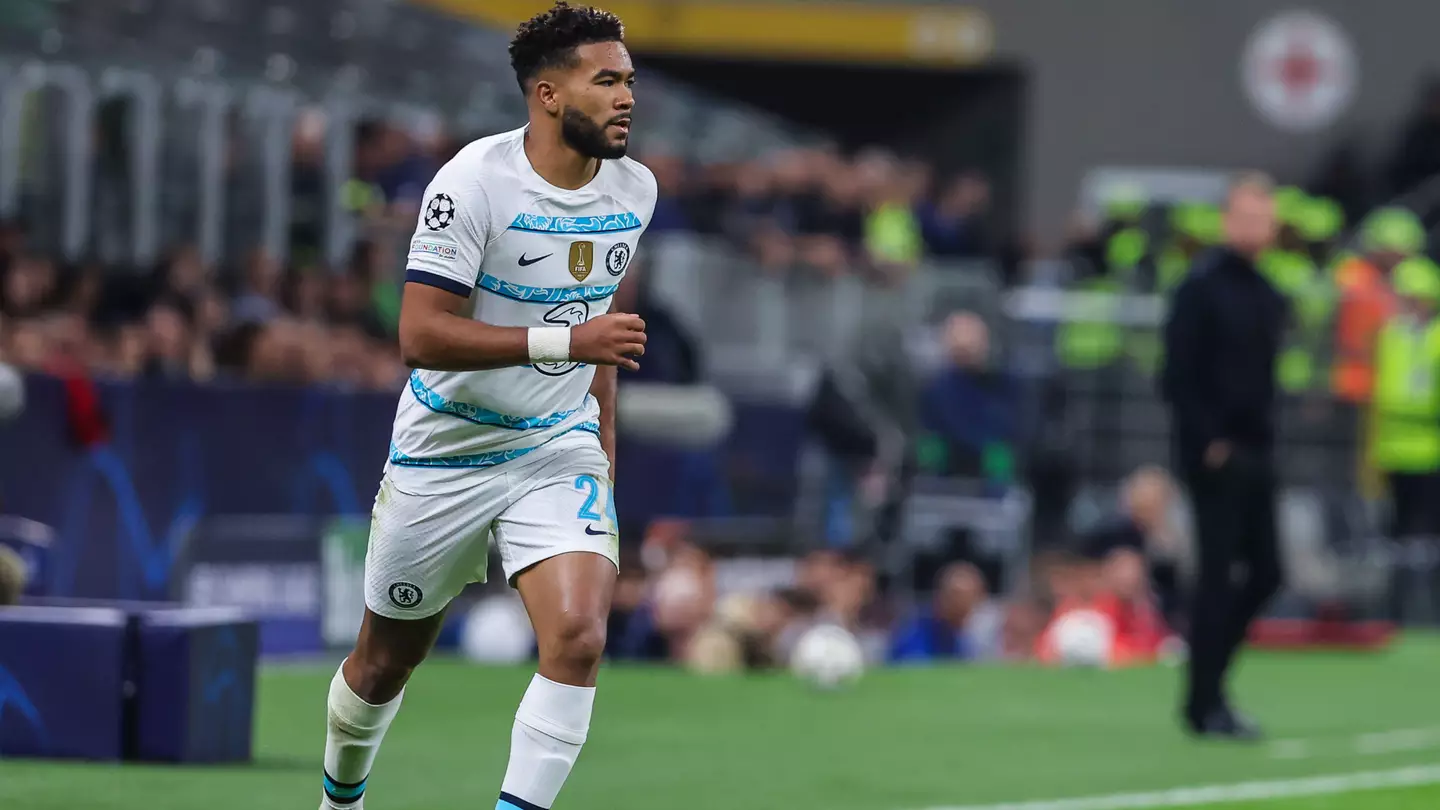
{"x": 708, "y": 205}
{"x": 83, "y": 290}
{"x": 893, "y": 240}
{"x": 672, "y": 355}
{"x": 818, "y": 571}
{"x": 124, "y": 350}
{"x": 1020, "y": 629}
{"x": 172, "y": 353}
{"x": 828, "y": 216}
{"x": 961, "y": 622}
{"x": 683, "y": 599}
{"x": 1143, "y": 525}
{"x": 758, "y": 222}
{"x": 971, "y": 407}
{"x": 375, "y": 155}
{"x": 384, "y": 370}
{"x": 1114, "y": 585}
{"x": 183, "y": 276}
{"x": 850, "y": 596}
{"x": 28, "y": 287}
{"x": 670, "y": 214}
{"x": 272, "y": 352}
{"x": 407, "y": 168}
{"x": 308, "y": 204}
{"x": 631, "y": 634}
{"x": 956, "y": 225}
{"x": 258, "y": 297}
{"x": 304, "y": 294}
{"x": 12, "y": 242}
{"x": 783, "y": 619}
{"x": 1365, "y": 299}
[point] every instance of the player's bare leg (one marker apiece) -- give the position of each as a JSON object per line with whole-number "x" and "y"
{"x": 568, "y": 599}
{"x": 364, "y": 698}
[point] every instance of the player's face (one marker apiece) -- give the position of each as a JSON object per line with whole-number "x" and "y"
{"x": 595, "y": 98}
{"x": 1250, "y": 219}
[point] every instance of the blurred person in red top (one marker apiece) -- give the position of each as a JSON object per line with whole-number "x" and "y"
{"x": 1130, "y": 604}
{"x": 1141, "y": 522}
{"x": 1112, "y": 581}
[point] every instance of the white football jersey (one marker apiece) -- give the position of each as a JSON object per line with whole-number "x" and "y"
{"x": 527, "y": 254}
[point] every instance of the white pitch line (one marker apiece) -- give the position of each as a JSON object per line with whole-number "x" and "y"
{"x": 1375, "y": 743}
{"x": 1230, "y": 794}
{"x": 1291, "y": 749}
{"x": 1392, "y": 742}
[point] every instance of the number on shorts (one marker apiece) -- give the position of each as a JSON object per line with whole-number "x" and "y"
{"x": 591, "y": 486}
{"x": 588, "y": 484}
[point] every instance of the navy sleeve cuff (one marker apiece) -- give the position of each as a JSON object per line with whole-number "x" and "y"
{"x": 429, "y": 279}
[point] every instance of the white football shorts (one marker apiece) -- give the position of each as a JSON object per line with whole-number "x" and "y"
{"x": 430, "y": 530}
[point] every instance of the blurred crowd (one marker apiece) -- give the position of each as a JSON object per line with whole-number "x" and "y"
{"x": 245, "y": 317}
{"x": 817, "y": 211}
{"x": 295, "y": 327}
{"x": 250, "y": 315}
{"x": 1124, "y": 569}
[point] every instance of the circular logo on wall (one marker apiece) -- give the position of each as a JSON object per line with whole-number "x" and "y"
{"x": 405, "y": 595}
{"x": 617, "y": 259}
{"x": 440, "y": 212}
{"x": 1300, "y": 71}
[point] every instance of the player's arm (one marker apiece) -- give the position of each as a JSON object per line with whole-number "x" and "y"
{"x": 603, "y": 389}
{"x": 433, "y": 335}
{"x": 445, "y": 255}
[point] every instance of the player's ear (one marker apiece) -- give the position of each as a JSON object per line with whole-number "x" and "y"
{"x": 545, "y": 93}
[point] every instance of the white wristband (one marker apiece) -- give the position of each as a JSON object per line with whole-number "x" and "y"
{"x": 549, "y": 344}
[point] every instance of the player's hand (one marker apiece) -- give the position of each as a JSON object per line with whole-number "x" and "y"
{"x": 609, "y": 340}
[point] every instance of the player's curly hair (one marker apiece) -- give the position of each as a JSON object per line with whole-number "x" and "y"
{"x": 549, "y": 39}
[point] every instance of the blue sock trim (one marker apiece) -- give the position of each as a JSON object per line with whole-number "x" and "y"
{"x": 508, "y": 802}
{"x": 344, "y": 792}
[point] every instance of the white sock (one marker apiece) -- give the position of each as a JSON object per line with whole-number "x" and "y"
{"x": 352, "y": 738}
{"x": 550, "y": 727}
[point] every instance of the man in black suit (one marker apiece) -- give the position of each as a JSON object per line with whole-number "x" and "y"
{"x": 1224, "y": 332}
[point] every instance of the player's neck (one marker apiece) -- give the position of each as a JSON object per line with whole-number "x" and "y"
{"x": 558, "y": 164}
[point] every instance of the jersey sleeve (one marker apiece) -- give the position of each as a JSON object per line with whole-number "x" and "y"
{"x": 650, "y": 190}
{"x": 451, "y": 235}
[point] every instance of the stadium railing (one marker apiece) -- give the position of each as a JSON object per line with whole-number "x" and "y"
{"x": 196, "y": 125}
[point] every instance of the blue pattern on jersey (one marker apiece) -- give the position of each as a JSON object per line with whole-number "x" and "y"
{"x": 544, "y": 295}
{"x": 480, "y": 460}
{"x": 606, "y": 223}
{"x": 481, "y": 416}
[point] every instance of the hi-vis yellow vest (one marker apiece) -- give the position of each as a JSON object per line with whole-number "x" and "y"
{"x": 1406, "y": 404}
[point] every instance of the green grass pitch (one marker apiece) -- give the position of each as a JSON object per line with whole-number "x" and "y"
{"x": 908, "y": 739}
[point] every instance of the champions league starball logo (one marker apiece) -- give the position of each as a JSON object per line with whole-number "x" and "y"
{"x": 440, "y": 212}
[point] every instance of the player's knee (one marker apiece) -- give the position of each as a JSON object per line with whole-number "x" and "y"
{"x": 579, "y": 641}
{"x": 377, "y": 678}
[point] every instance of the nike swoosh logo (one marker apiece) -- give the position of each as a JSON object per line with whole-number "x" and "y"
{"x": 590, "y": 530}
{"x": 524, "y": 262}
